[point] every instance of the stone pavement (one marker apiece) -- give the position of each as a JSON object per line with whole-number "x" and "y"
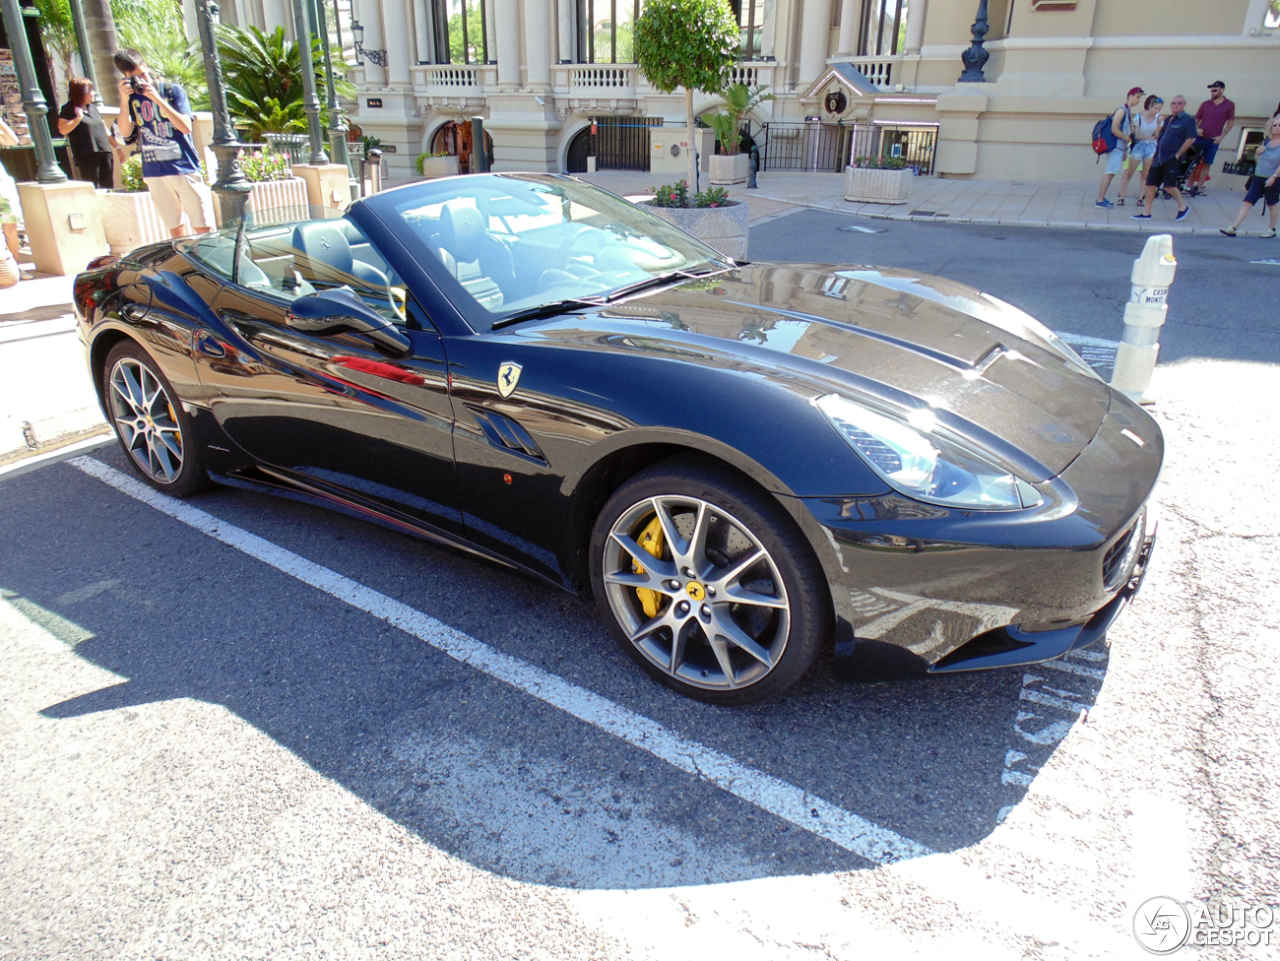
{"x": 1007, "y": 203}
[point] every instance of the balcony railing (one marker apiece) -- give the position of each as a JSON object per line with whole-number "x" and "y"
{"x": 458, "y": 77}
{"x": 602, "y": 79}
{"x": 881, "y": 71}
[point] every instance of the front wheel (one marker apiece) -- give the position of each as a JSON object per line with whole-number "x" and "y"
{"x": 153, "y": 428}
{"x": 708, "y": 584}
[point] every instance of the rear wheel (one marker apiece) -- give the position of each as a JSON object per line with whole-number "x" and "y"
{"x": 708, "y": 584}
{"x": 153, "y": 428}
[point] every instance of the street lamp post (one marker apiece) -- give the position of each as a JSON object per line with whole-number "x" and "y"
{"x": 232, "y": 187}
{"x": 33, "y": 102}
{"x": 976, "y": 57}
{"x": 337, "y": 123}
{"x": 310, "y": 103}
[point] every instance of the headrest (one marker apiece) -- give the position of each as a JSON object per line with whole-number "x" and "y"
{"x": 462, "y": 231}
{"x": 323, "y": 243}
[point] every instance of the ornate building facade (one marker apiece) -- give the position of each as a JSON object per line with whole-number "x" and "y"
{"x": 847, "y": 75}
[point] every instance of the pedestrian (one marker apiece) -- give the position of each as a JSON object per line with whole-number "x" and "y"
{"x": 1176, "y": 137}
{"x": 1146, "y": 123}
{"x": 170, "y": 166}
{"x": 1270, "y": 124}
{"x": 10, "y": 207}
{"x": 1263, "y": 185}
{"x": 1121, "y": 128}
{"x": 86, "y": 133}
{"x": 1215, "y": 118}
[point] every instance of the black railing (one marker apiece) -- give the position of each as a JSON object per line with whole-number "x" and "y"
{"x": 817, "y": 147}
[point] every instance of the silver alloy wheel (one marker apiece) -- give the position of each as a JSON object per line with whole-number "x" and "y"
{"x": 145, "y": 419}
{"x": 719, "y": 615}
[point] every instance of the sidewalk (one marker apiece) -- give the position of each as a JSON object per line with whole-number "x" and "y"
{"x": 46, "y": 397}
{"x": 1006, "y": 203}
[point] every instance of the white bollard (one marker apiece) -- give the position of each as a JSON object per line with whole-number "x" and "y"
{"x": 1143, "y": 317}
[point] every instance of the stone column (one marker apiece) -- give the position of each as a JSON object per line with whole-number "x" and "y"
{"x": 507, "y": 32}
{"x": 371, "y": 20}
{"x": 398, "y": 29}
{"x": 915, "y": 27}
{"x": 537, "y": 44}
{"x": 815, "y": 30}
{"x": 850, "y": 10}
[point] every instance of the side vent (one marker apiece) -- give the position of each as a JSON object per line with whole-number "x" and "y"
{"x": 506, "y": 433}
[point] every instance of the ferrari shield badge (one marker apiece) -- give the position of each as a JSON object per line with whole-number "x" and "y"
{"x": 508, "y": 377}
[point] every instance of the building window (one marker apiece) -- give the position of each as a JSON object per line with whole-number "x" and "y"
{"x": 883, "y": 28}
{"x": 454, "y": 31}
{"x": 606, "y": 30}
{"x": 750, "y": 17}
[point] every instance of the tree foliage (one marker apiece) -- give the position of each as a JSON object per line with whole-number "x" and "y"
{"x": 58, "y": 32}
{"x": 686, "y": 43}
{"x": 263, "y": 76}
{"x": 155, "y": 28}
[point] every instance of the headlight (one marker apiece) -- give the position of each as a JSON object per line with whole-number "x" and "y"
{"x": 914, "y": 459}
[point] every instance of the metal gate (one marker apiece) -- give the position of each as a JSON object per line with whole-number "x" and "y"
{"x": 816, "y": 146}
{"x": 619, "y": 143}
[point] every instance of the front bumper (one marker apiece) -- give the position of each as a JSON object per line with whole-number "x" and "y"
{"x": 970, "y": 589}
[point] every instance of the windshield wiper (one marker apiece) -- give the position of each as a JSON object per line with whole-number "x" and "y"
{"x": 660, "y": 279}
{"x": 546, "y": 310}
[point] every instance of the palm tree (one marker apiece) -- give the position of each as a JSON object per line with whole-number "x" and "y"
{"x": 59, "y": 33}
{"x": 100, "y": 24}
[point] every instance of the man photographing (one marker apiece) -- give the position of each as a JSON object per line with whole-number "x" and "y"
{"x": 170, "y": 165}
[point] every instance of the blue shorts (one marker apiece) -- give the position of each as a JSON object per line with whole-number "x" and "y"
{"x": 1142, "y": 150}
{"x": 1257, "y": 189}
{"x": 1210, "y": 149}
{"x": 1115, "y": 160}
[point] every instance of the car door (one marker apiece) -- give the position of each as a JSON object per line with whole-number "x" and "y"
{"x": 335, "y": 412}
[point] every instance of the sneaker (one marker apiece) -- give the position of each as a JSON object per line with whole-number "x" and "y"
{"x": 1182, "y": 214}
{"x": 1139, "y": 216}
{"x": 1228, "y": 231}
{"x": 1270, "y": 233}
{"x": 1103, "y": 203}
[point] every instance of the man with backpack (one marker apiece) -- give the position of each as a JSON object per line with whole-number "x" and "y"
{"x": 1115, "y": 136}
{"x": 162, "y": 115}
{"x": 1175, "y": 140}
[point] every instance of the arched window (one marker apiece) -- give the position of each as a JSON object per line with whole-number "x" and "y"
{"x": 883, "y": 29}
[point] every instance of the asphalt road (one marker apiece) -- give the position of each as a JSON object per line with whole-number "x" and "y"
{"x": 204, "y": 755}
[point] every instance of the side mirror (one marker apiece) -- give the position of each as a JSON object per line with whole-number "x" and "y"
{"x": 340, "y": 311}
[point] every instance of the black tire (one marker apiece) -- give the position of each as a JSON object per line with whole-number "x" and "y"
{"x": 185, "y": 474}
{"x": 791, "y": 637}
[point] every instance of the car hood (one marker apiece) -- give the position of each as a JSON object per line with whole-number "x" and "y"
{"x": 902, "y": 337}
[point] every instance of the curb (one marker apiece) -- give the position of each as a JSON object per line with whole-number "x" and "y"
{"x": 44, "y": 458}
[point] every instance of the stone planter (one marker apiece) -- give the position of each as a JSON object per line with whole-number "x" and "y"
{"x": 285, "y": 200}
{"x": 870, "y": 186}
{"x": 724, "y": 228}
{"x": 433, "y": 167}
{"x": 727, "y": 169}
{"x": 130, "y": 220}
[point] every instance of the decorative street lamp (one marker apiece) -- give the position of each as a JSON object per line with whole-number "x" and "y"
{"x": 232, "y": 188}
{"x": 357, "y": 38}
{"x": 33, "y": 102}
{"x": 309, "y": 101}
{"x": 975, "y": 58}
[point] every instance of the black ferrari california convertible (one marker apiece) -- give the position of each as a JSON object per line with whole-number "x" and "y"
{"x": 742, "y": 463}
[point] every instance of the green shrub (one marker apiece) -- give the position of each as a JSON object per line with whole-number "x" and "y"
{"x": 713, "y": 197}
{"x": 879, "y": 163}
{"x": 131, "y": 181}
{"x": 677, "y": 195}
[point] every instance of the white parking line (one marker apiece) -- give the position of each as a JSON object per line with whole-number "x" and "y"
{"x": 778, "y": 797}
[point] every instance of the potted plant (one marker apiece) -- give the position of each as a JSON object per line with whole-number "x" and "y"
{"x": 686, "y": 43}
{"x": 731, "y": 166}
{"x": 440, "y": 164}
{"x": 709, "y": 216}
{"x": 878, "y": 180}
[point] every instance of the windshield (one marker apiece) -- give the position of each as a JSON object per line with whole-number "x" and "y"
{"x": 503, "y": 245}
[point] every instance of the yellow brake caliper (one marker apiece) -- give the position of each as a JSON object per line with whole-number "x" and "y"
{"x": 652, "y": 541}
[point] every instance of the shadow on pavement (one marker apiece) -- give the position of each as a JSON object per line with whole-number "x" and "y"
{"x": 471, "y": 765}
